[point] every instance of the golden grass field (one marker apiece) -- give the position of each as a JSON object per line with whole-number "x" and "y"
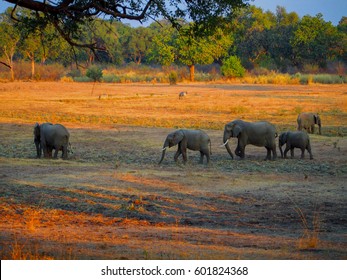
{"x": 111, "y": 200}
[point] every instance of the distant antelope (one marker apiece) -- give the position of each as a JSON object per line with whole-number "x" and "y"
{"x": 103, "y": 96}
{"x": 182, "y": 94}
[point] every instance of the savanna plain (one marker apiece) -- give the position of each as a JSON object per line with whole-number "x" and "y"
{"x": 111, "y": 199}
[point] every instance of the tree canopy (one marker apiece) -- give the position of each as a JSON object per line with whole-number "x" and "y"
{"x": 68, "y": 16}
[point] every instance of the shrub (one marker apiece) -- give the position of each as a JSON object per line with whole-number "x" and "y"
{"x": 94, "y": 73}
{"x": 82, "y": 79}
{"x": 66, "y": 79}
{"x": 328, "y": 79}
{"x": 232, "y": 67}
{"x": 173, "y": 78}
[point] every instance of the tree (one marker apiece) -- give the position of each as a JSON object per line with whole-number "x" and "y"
{"x": 249, "y": 27}
{"x": 277, "y": 39}
{"x": 136, "y": 45}
{"x": 162, "y": 50}
{"x": 314, "y": 41}
{"x": 193, "y": 50}
{"x": 8, "y": 44}
{"x": 69, "y": 15}
{"x": 187, "y": 49}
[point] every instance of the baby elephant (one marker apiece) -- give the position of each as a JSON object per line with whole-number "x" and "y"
{"x": 195, "y": 140}
{"x": 295, "y": 139}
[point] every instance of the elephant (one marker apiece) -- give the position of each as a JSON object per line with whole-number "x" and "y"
{"x": 196, "y": 140}
{"x": 295, "y": 139}
{"x": 261, "y": 134}
{"x": 308, "y": 120}
{"x": 48, "y": 136}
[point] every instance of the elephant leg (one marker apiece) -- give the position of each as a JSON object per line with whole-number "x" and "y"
{"x": 178, "y": 153}
{"x": 240, "y": 151}
{"x": 309, "y": 151}
{"x": 64, "y": 152}
{"x": 184, "y": 155}
{"x": 292, "y": 153}
{"x": 48, "y": 152}
{"x": 302, "y": 153}
{"x": 286, "y": 151}
{"x": 56, "y": 153}
{"x": 312, "y": 129}
{"x": 201, "y": 157}
{"x": 268, "y": 153}
{"x": 274, "y": 153}
{"x": 45, "y": 151}
{"x": 205, "y": 152}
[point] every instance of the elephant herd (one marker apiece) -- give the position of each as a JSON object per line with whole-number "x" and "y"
{"x": 49, "y": 136}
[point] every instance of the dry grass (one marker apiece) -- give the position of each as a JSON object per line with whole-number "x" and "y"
{"x": 111, "y": 200}
{"x": 206, "y": 106}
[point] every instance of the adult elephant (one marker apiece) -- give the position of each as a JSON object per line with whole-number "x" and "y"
{"x": 196, "y": 140}
{"x": 308, "y": 121}
{"x": 261, "y": 134}
{"x": 49, "y": 136}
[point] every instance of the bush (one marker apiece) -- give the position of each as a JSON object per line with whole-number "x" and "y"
{"x": 94, "y": 73}
{"x": 328, "y": 79}
{"x": 232, "y": 67}
{"x": 173, "y": 78}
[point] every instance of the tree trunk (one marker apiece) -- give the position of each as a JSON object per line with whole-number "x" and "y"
{"x": 192, "y": 72}
{"x": 32, "y": 68}
{"x": 12, "y": 73}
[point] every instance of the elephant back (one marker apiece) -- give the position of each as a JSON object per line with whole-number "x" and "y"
{"x": 59, "y": 128}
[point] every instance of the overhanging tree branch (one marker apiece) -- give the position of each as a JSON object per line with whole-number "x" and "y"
{"x": 69, "y": 15}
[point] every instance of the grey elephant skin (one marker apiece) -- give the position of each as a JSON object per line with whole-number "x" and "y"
{"x": 295, "y": 139}
{"x": 308, "y": 121}
{"x": 261, "y": 134}
{"x": 196, "y": 140}
{"x": 49, "y": 136}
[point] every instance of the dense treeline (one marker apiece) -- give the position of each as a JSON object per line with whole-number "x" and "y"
{"x": 255, "y": 40}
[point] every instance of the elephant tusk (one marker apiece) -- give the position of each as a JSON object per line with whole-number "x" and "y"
{"x": 226, "y": 142}
{"x": 163, "y": 149}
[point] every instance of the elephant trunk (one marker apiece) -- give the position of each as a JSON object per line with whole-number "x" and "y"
{"x": 166, "y": 144}
{"x": 226, "y": 144}
{"x": 319, "y": 129}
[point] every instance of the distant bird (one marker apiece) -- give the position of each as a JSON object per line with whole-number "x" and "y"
{"x": 182, "y": 94}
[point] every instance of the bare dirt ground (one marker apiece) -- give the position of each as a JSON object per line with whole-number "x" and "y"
{"x": 111, "y": 200}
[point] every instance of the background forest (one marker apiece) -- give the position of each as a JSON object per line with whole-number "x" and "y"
{"x": 256, "y": 46}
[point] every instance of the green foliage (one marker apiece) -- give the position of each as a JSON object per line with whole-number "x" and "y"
{"x": 315, "y": 41}
{"x": 173, "y": 78}
{"x": 278, "y": 42}
{"x": 232, "y": 67}
{"x": 321, "y": 79}
{"x": 94, "y": 73}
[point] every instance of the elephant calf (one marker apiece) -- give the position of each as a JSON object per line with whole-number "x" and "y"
{"x": 196, "y": 140}
{"x": 295, "y": 139}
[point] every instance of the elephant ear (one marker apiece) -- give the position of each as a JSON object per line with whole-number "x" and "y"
{"x": 178, "y": 137}
{"x": 237, "y": 131}
{"x": 283, "y": 138}
{"x": 37, "y": 130}
{"x": 315, "y": 117}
